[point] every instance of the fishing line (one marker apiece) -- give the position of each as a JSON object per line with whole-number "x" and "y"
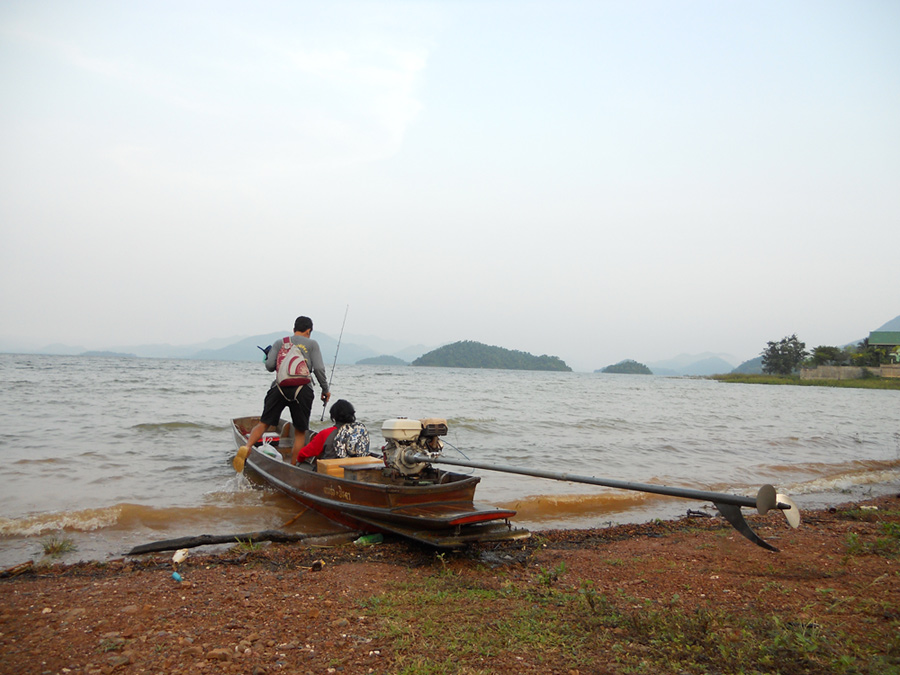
{"x": 336, "y": 350}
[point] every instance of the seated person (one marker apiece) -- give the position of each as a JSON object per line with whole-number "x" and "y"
{"x": 347, "y": 438}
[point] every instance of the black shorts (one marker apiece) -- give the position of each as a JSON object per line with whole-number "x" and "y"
{"x": 300, "y": 407}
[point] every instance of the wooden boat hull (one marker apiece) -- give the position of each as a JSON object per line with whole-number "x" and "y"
{"x": 438, "y": 510}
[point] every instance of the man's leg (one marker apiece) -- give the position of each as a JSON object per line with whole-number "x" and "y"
{"x": 300, "y": 410}
{"x": 271, "y": 410}
{"x": 256, "y": 433}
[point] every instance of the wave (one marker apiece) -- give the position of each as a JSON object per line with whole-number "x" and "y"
{"x": 810, "y": 471}
{"x": 842, "y": 477}
{"x": 42, "y": 460}
{"x": 127, "y": 517}
{"x": 82, "y": 521}
{"x": 177, "y": 426}
{"x": 819, "y": 479}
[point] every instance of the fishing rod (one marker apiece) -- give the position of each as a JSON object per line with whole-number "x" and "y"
{"x": 727, "y": 505}
{"x": 336, "y": 350}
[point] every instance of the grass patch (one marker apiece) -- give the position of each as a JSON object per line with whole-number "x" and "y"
{"x": 869, "y": 515}
{"x": 452, "y": 625}
{"x": 863, "y": 383}
{"x": 886, "y": 543}
{"x": 57, "y": 546}
{"x": 248, "y": 546}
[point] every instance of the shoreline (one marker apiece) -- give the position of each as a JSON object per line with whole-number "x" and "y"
{"x": 874, "y": 382}
{"x": 565, "y": 601}
{"x": 95, "y": 547}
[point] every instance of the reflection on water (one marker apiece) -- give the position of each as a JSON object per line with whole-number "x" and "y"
{"x": 117, "y": 452}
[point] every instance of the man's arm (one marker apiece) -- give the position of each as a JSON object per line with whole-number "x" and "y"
{"x": 318, "y": 366}
{"x": 272, "y": 356}
{"x": 314, "y": 447}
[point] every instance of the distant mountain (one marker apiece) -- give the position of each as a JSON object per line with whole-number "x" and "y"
{"x": 109, "y": 355}
{"x": 383, "y": 360}
{"x": 230, "y": 349}
{"x": 751, "y": 367}
{"x": 469, "y": 354}
{"x": 167, "y": 351}
{"x": 694, "y": 365}
{"x": 892, "y": 325}
{"x": 57, "y": 348}
{"x": 627, "y": 367}
{"x": 247, "y": 349}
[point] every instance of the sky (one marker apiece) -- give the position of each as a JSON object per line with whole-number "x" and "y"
{"x": 592, "y": 180}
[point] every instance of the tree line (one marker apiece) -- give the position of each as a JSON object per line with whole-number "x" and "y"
{"x": 789, "y": 354}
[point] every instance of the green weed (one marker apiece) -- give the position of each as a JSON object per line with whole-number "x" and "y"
{"x": 248, "y": 546}
{"x": 57, "y": 546}
{"x": 887, "y": 545}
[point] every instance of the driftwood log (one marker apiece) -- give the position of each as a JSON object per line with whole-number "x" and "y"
{"x": 208, "y": 539}
{"x": 17, "y": 570}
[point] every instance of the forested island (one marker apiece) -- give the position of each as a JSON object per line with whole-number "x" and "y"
{"x": 384, "y": 360}
{"x": 116, "y": 355}
{"x": 469, "y": 354}
{"x": 627, "y": 367}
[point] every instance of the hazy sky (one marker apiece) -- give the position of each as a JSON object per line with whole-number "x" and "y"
{"x": 593, "y": 180}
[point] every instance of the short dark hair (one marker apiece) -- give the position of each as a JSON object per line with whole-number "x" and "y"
{"x": 302, "y": 324}
{"x": 342, "y": 412}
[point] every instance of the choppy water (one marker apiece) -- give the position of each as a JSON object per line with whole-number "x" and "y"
{"x": 117, "y": 452}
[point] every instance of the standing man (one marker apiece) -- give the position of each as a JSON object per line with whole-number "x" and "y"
{"x": 298, "y": 399}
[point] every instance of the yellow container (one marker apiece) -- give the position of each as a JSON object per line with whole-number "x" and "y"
{"x": 335, "y": 467}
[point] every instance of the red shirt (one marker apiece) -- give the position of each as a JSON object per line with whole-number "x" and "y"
{"x": 316, "y": 445}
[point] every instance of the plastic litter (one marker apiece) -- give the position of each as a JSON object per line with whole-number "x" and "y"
{"x": 369, "y": 539}
{"x": 176, "y": 576}
{"x": 271, "y": 452}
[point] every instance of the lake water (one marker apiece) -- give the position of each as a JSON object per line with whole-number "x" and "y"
{"x": 113, "y": 453}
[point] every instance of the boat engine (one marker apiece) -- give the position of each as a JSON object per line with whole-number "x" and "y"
{"x": 406, "y": 438}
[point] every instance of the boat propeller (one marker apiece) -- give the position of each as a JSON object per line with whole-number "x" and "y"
{"x": 728, "y": 505}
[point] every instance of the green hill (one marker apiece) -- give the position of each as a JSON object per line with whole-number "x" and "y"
{"x": 627, "y": 367}
{"x": 751, "y": 367}
{"x": 384, "y": 360}
{"x": 468, "y": 354}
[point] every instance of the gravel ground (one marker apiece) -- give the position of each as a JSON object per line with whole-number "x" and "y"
{"x": 299, "y": 609}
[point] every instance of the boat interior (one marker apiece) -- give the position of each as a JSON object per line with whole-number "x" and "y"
{"x": 368, "y": 469}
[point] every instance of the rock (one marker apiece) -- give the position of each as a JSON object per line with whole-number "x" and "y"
{"x": 112, "y": 642}
{"x": 220, "y": 654}
{"x": 118, "y": 660}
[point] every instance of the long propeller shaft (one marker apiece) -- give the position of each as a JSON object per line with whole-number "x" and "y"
{"x": 686, "y": 493}
{"x": 727, "y": 504}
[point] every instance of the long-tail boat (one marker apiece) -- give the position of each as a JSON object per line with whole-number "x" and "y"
{"x": 402, "y": 491}
{"x": 429, "y": 505}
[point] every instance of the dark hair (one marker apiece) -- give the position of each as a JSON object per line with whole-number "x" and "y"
{"x": 342, "y": 412}
{"x": 302, "y": 324}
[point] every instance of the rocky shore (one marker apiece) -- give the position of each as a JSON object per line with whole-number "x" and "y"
{"x": 684, "y": 596}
